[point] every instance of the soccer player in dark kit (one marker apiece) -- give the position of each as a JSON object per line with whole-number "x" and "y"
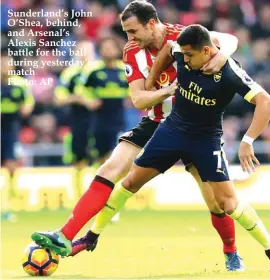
{"x": 147, "y": 36}
{"x": 192, "y": 132}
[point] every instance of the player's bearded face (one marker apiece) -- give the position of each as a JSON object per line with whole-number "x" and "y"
{"x": 137, "y": 32}
{"x": 195, "y": 59}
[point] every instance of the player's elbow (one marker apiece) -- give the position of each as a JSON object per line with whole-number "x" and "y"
{"x": 138, "y": 104}
{"x": 263, "y": 100}
{"x": 137, "y": 101}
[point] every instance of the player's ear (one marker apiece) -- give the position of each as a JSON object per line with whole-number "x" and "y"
{"x": 206, "y": 50}
{"x": 151, "y": 23}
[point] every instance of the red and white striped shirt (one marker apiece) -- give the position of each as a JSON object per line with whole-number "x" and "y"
{"x": 139, "y": 61}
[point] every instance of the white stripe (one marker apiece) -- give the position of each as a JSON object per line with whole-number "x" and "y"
{"x": 175, "y": 48}
{"x": 142, "y": 63}
{"x": 167, "y": 106}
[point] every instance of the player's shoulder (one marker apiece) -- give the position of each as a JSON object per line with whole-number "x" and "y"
{"x": 233, "y": 68}
{"x": 69, "y": 72}
{"x": 173, "y": 30}
{"x": 234, "y": 72}
{"x": 19, "y": 82}
{"x": 17, "y": 79}
{"x": 91, "y": 67}
{"x": 130, "y": 49}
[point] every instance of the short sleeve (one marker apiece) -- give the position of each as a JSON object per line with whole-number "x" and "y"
{"x": 241, "y": 83}
{"x": 135, "y": 63}
{"x": 175, "y": 49}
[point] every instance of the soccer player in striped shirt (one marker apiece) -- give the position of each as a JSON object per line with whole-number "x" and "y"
{"x": 147, "y": 35}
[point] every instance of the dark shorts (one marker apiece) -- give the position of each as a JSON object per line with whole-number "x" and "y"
{"x": 79, "y": 145}
{"x": 141, "y": 133}
{"x": 8, "y": 140}
{"x": 168, "y": 145}
{"x": 81, "y": 133}
{"x": 106, "y": 141}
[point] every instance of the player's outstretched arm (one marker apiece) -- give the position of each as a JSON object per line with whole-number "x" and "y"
{"x": 143, "y": 99}
{"x": 163, "y": 60}
{"x": 260, "y": 120}
{"x": 226, "y": 42}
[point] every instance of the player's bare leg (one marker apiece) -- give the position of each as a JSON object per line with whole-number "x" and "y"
{"x": 223, "y": 224}
{"x": 93, "y": 200}
{"x": 243, "y": 213}
{"x": 116, "y": 201}
{"x": 11, "y": 166}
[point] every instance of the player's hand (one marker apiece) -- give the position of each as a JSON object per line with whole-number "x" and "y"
{"x": 76, "y": 99}
{"x": 247, "y": 157}
{"x": 149, "y": 84}
{"x": 215, "y": 64}
{"x": 170, "y": 90}
{"x": 94, "y": 105}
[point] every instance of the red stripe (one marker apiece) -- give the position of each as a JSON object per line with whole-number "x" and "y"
{"x": 158, "y": 113}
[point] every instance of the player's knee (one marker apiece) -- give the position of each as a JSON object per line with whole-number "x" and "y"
{"x": 112, "y": 170}
{"x": 130, "y": 185}
{"x": 228, "y": 204}
{"x": 214, "y": 207}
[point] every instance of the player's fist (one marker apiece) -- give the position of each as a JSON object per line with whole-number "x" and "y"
{"x": 215, "y": 64}
{"x": 247, "y": 157}
{"x": 172, "y": 88}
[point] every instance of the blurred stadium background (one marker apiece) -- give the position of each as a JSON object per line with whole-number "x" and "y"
{"x": 29, "y": 191}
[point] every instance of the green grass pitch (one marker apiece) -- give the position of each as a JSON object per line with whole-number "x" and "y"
{"x": 142, "y": 245}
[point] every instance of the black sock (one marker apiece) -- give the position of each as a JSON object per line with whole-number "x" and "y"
{"x": 91, "y": 236}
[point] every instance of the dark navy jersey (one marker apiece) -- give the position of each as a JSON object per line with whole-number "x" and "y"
{"x": 13, "y": 97}
{"x": 109, "y": 85}
{"x": 201, "y": 99}
{"x": 68, "y": 81}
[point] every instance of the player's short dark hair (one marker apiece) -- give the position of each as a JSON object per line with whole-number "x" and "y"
{"x": 142, "y": 9}
{"x": 195, "y": 35}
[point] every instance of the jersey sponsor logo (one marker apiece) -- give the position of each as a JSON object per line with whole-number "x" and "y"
{"x": 163, "y": 79}
{"x": 193, "y": 93}
{"x": 246, "y": 79}
{"x": 217, "y": 77}
{"x": 128, "y": 70}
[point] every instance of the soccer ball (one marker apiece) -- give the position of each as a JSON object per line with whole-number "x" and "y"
{"x": 38, "y": 261}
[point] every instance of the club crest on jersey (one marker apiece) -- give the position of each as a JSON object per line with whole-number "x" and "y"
{"x": 217, "y": 76}
{"x": 246, "y": 79}
{"x": 128, "y": 70}
{"x": 163, "y": 79}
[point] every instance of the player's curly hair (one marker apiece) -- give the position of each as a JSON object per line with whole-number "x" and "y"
{"x": 142, "y": 9}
